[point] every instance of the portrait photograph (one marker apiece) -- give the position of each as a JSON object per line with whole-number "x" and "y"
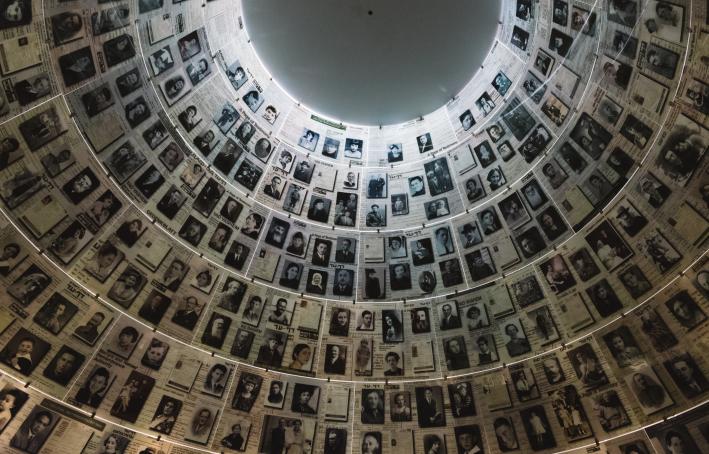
{"x": 608, "y": 245}
{"x": 276, "y": 429}
{"x": 610, "y": 411}
{"x": 24, "y": 351}
{"x": 392, "y": 326}
{"x": 480, "y": 264}
{"x": 587, "y": 366}
{"x": 623, "y": 346}
{"x": 429, "y": 407}
{"x": 201, "y": 423}
{"x": 485, "y": 349}
{"x": 524, "y": 384}
{"x": 685, "y": 310}
{"x": 104, "y": 262}
{"x": 438, "y": 176}
{"x": 635, "y": 281}
{"x": 35, "y": 430}
{"x": 570, "y": 413}
{"x": 166, "y": 414}
{"x": 65, "y": 364}
{"x": 132, "y": 396}
{"x": 661, "y": 253}
{"x": 161, "y": 60}
{"x": 276, "y": 395}
{"x": 118, "y": 50}
{"x": 648, "y": 389}
{"x": 55, "y": 314}
{"x": 537, "y": 427}
{"x": 687, "y": 375}
{"x": 216, "y": 330}
{"x": 77, "y": 66}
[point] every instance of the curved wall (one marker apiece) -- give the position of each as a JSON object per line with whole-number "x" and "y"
{"x": 180, "y": 241}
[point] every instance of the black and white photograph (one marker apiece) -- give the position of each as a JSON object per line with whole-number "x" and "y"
{"x": 29, "y": 285}
{"x": 429, "y": 407}
{"x": 658, "y": 59}
{"x": 95, "y": 387}
{"x": 462, "y": 399}
{"x": 372, "y": 409}
{"x": 77, "y": 66}
{"x": 236, "y": 75}
{"x": 587, "y": 366}
{"x": 133, "y": 394}
{"x": 516, "y": 341}
{"x": 438, "y": 176}
{"x": 174, "y": 87}
{"x": 247, "y": 391}
{"x": 189, "y": 46}
{"x": 610, "y": 410}
{"x": 474, "y": 189}
{"x": 456, "y": 353}
{"x": 685, "y": 310}
{"x": 127, "y": 286}
{"x": 161, "y": 60}
{"x": 655, "y": 247}
{"x": 524, "y": 383}
{"x": 192, "y": 231}
{"x": 485, "y": 349}
{"x": 501, "y": 83}
{"x": 303, "y": 171}
{"x": 35, "y": 429}
{"x": 201, "y": 423}
{"x": 687, "y": 375}
{"x": 424, "y": 142}
{"x": 24, "y": 351}
{"x": 560, "y": 42}
{"x": 484, "y": 153}
{"x": 118, "y": 50}
{"x": 570, "y": 414}
{"x": 436, "y": 208}
{"x": 682, "y": 151}
{"x": 216, "y": 330}
{"x": 353, "y": 148}
{"x": 648, "y": 389}
{"x": 635, "y": 281}
{"x": 520, "y": 38}
{"x": 56, "y": 313}
{"x": 466, "y": 119}
{"x": 42, "y": 128}
{"x": 534, "y": 87}
{"x": 480, "y": 264}
{"x": 557, "y": 274}
{"x": 189, "y": 118}
{"x": 538, "y": 429}
{"x": 276, "y": 395}
{"x": 277, "y": 429}
{"x": 65, "y": 364}
{"x": 604, "y": 298}
{"x": 305, "y": 398}
{"x": 253, "y": 98}
{"x": 166, "y": 414}
{"x": 400, "y": 276}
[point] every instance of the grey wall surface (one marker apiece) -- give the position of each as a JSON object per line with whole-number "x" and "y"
{"x": 404, "y": 60}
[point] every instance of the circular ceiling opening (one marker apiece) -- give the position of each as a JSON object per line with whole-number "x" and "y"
{"x": 372, "y": 62}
